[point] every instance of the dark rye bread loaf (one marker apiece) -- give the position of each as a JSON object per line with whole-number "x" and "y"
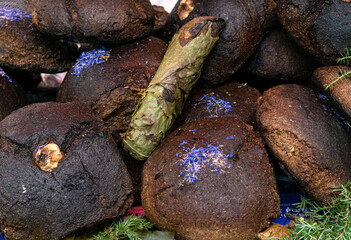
{"x": 228, "y": 193}
{"x": 113, "y": 87}
{"x": 60, "y": 171}
{"x": 23, "y": 47}
{"x": 279, "y": 57}
{"x": 305, "y": 138}
{"x": 107, "y": 21}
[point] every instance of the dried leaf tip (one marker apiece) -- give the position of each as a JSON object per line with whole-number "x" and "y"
{"x": 198, "y": 26}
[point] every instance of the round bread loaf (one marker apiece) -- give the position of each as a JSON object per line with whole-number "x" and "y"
{"x": 108, "y": 21}
{"x": 211, "y": 180}
{"x": 306, "y": 139}
{"x": 113, "y": 85}
{"x": 23, "y": 47}
{"x": 60, "y": 171}
{"x": 279, "y": 57}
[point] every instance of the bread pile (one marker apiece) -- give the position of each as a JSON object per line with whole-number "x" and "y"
{"x": 62, "y": 166}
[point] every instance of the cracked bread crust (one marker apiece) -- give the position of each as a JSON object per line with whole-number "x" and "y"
{"x": 90, "y": 184}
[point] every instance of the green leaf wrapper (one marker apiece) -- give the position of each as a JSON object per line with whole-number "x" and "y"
{"x": 167, "y": 92}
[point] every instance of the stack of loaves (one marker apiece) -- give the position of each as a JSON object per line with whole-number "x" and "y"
{"x": 63, "y": 167}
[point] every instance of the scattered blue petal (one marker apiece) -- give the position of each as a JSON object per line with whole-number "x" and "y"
{"x": 2, "y": 73}
{"x": 13, "y": 14}
{"x": 215, "y": 105}
{"x": 86, "y": 59}
{"x": 198, "y": 157}
{"x": 231, "y": 137}
{"x": 323, "y": 97}
{"x": 183, "y": 143}
{"x": 193, "y": 130}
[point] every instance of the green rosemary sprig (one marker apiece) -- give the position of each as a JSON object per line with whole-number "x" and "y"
{"x": 327, "y": 222}
{"x": 131, "y": 228}
{"x": 342, "y": 75}
{"x": 345, "y": 57}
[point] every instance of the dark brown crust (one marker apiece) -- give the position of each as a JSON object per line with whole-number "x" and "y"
{"x": 242, "y": 99}
{"x": 94, "y": 21}
{"x": 321, "y": 27}
{"x": 113, "y": 88}
{"x": 23, "y": 47}
{"x": 279, "y": 57}
{"x": 90, "y": 184}
{"x": 306, "y": 139}
{"x": 233, "y": 205}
